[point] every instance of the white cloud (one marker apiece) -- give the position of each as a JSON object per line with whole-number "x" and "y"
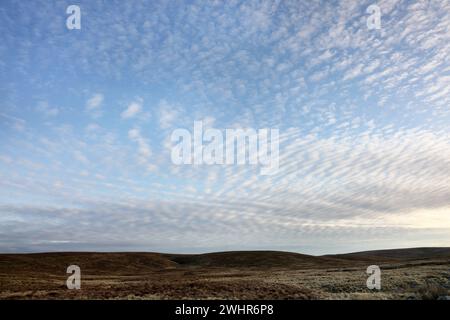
{"x": 94, "y": 105}
{"x": 44, "y": 108}
{"x": 132, "y": 110}
{"x": 168, "y": 114}
{"x": 144, "y": 150}
{"x": 95, "y": 101}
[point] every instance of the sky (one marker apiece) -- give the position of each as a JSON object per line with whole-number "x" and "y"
{"x": 86, "y": 118}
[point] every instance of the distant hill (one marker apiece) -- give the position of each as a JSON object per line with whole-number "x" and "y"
{"x": 141, "y": 262}
{"x": 131, "y": 263}
{"x": 393, "y": 255}
{"x": 255, "y": 259}
{"x": 98, "y": 262}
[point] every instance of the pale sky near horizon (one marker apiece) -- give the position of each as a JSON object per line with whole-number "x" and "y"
{"x": 86, "y": 117}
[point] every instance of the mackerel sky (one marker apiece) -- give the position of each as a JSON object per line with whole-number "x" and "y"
{"x": 86, "y": 117}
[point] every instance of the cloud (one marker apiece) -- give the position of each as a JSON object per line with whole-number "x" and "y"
{"x": 132, "y": 110}
{"x": 363, "y": 118}
{"x": 168, "y": 114}
{"x": 18, "y": 124}
{"x": 144, "y": 150}
{"x": 46, "y": 110}
{"x": 94, "y": 104}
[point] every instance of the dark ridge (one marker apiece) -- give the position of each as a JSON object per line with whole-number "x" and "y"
{"x": 393, "y": 255}
{"x": 130, "y": 263}
{"x": 252, "y": 259}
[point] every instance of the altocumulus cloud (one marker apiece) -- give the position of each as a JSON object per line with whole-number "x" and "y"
{"x": 363, "y": 118}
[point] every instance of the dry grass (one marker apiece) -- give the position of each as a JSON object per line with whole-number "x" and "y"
{"x": 155, "y": 276}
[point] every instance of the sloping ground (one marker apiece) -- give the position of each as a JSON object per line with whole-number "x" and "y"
{"x": 137, "y": 263}
{"x": 131, "y": 263}
{"x": 95, "y": 263}
{"x": 396, "y": 255}
{"x": 253, "y": 259}
{"x": 407, "y": 274}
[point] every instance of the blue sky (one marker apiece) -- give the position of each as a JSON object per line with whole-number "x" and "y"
{"x": 86, "y": 117}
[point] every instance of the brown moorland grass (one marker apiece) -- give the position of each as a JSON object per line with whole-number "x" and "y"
{"x": 422, "y": 273}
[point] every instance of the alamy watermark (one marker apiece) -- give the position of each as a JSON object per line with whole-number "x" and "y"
{"x": 374, "y": 280}
{"x": 74, "y": 20}
{"x": 74, "y": 280}
{"x": 374, "y": 20}
{"x": 238, "y": 146}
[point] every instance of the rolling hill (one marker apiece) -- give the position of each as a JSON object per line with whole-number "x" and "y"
{"x": 396, "y": 255}
{"x": 142, "y": 262}
{"x": 418, "y": 273}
